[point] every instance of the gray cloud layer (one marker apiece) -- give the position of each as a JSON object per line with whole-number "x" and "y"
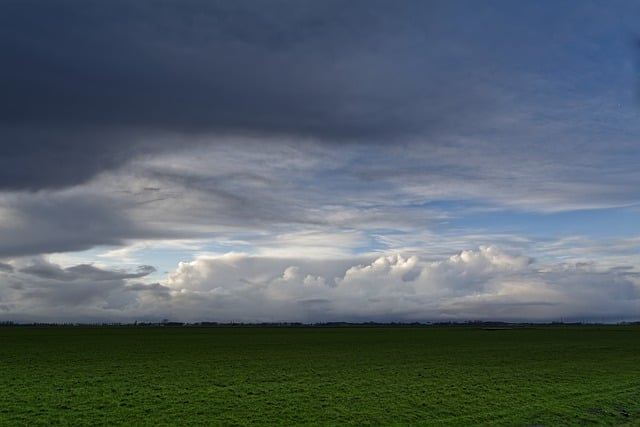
{"x": 285, "y": 196}
{"x": 87, "y": 85}
{"x": 91, "y": 77}
{"x": 37, "y": 289}
{"x": 275, "y": 66}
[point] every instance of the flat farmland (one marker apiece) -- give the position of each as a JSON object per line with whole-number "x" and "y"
{"x": 320, "y": 376}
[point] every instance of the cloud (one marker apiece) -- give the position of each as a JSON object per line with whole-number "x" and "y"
{"x": 66, "y": 221}
{"x": 287, "y": 66}
{"x": 45, "y": 270}
{"x": 37, "y": 289}
{"x": 94, "y": 85}
{"x": 300, "y": 198}
{"x": 298, "y": 131}
{"x": 483, "y": 284}
{"x": 101, "y": 94}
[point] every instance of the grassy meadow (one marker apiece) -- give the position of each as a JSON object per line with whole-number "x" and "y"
{"x": 320, "y": 376}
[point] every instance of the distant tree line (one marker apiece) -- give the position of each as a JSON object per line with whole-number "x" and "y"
{"x": 165, "y": 323}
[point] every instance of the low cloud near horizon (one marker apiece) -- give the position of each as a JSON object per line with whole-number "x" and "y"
{"x": 483, "y": 284}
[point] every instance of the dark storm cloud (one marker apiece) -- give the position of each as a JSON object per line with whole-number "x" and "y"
{"x": 5, "y": 268}
{"x": 47, "y": 270}
{"x": 48, "y": 286}
{"x": 153, "y": 287}
{"x": 94, "y": 273}
{"x": 44, "y": 223}
{"x": 83, "y": 80}
{"x": 34, "y": 155}
{"x": 204, "y": 65}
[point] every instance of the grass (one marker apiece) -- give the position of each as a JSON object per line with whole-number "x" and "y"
{"x": 316, "y": 376}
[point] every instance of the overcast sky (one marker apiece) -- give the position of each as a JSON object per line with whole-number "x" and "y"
{"x": 319, "y": 160}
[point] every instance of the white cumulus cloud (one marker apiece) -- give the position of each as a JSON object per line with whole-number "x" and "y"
{"x": 487, "y": 283}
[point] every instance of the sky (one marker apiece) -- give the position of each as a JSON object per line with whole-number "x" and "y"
{"x": 314, "y": 161}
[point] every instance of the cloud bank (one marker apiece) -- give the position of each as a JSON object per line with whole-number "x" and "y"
{"x": 487, "y": 283}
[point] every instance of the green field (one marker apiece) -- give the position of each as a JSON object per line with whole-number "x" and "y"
{"x": 320, "y": 376}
